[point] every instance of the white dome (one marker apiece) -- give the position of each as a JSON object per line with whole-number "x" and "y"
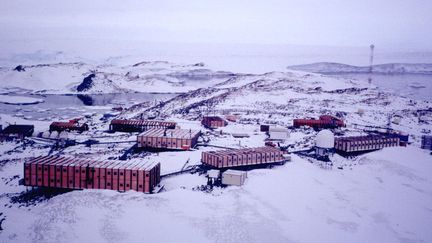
{"x": 46, "y": 134}
{"x": 54, "y": 134}
{"x": 325, "y": 139}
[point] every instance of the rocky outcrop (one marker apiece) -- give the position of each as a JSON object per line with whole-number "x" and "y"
{"x": 87, "y": 83}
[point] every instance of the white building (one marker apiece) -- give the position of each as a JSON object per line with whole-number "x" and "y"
{"x": 278, "y": 133}
{"x": 234, "y": 177}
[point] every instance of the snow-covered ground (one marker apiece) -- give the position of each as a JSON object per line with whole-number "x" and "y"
{"x": 383, "y": 196}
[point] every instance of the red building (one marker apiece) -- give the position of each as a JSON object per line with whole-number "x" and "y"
{"x": 71, "y": 125}
{"x": 74, "y": 173}
{"x": 325, "y": 121}
{"x": 177, "y": 139}
{"x": 213, "y": 122}
{"x": 346, "y": 145}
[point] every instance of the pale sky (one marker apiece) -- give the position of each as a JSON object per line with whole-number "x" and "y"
{"x": 393, "y": 23}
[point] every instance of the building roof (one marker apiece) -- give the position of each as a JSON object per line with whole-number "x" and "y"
{"x": 18, "y": 129}
{"x": 278, "y": 133}
{"x": 362, "y": 138}
{"x": 213, "y": 173}
{"x": 240, "y": 135}
{"x": 143, "y": 122}
{"x": 213, "y": 118}
{"x": 71, "y": 161}
{"x": 244, "y": 151}
{"x": 235, "y": 172}
{"x": 65, "y": 124}
{"x": 171, "y": 133}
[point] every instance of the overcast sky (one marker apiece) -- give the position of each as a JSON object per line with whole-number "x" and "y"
{"x": 394, "y": 23}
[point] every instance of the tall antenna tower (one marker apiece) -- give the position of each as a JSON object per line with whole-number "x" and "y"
{"x": 372, "y": 47}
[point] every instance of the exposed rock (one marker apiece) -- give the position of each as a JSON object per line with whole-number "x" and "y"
{"x": 87, "y": 83}
{"x": 19, "y": 68}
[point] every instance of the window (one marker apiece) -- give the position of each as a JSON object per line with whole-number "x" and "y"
{"x": 70, "y": 182}
{"x": 109, "y": 173}
{"x": 58, "y": 169}
{"x": 45, "y": 169}
{"x": 76, "y": 171}
{"x": 127, "y": 185}
{"x": 108, "y": 184}
{"x": 133, "y": 174}
{"x": 39, "y": 179}
{"x": 121, "y": 184}
{"x": 147, "y": 175}
{"x": 140, "y": 186}
{"x": 51, "y": 180}
{"x": 27, "y": 179}
{"x": 115, "y": 173}
{"x": 58, "y": 181}
{"x": 121, "y": 173}
{"x": 64, "y": 170}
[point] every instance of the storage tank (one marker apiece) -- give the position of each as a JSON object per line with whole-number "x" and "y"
{"x": 324, "y": 144}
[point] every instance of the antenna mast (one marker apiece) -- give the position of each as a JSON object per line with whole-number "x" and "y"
{"x": 372, "y": 47}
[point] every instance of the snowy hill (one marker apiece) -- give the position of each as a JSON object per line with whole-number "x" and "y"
{"x": 64, "y": 78}
{"x": 391, "y": 68}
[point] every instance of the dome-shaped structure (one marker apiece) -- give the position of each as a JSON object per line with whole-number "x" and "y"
{"x": 325, "y": 139}
{"x": 46, "y": 134}
{"x": 54, "y": 134}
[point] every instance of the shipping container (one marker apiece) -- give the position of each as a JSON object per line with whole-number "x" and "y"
{"x": 67, "y": 172}
{"x": 234, "y": 177}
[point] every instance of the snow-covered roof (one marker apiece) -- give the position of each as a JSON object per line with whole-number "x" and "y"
{"x": 325, "y": 139}
{"x": 235, "y": 172}
{"x": 213, "y": 173}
